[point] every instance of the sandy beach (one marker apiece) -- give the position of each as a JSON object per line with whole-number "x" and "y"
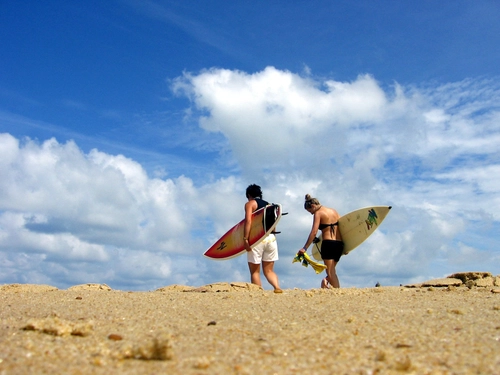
{"x": 238, "y": 328}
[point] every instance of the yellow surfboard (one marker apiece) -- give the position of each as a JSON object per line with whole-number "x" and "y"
{"x": 355, "y": 227}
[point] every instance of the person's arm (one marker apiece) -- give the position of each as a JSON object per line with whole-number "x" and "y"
{"x": 312, "y": 234}
{"x": 249, "y": 209}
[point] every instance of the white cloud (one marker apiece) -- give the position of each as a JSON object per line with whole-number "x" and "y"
{"x": 426, "y": 151}
{"x": 275, "y": 119}
{"x": 30, "y": 233}
{"x": 431, "y": 153}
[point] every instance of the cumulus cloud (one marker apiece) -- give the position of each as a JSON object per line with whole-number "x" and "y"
{"x": 427, "y": 151}
{"x": 430, "y": 152}
{"x": 270, "y": 118}
{"x": 76, "y": 207}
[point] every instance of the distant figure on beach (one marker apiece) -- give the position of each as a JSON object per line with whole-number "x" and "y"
{"x": 265, "y": 252}
{"x": 326, "y": 220}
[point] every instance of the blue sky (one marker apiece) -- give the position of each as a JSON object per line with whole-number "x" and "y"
{"x": 129, "y": 131}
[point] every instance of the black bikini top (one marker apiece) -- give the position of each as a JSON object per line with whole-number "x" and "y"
{"x": 324, "y": 226}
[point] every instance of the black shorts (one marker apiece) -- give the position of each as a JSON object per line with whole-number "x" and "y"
{"x": 332, "y": 249}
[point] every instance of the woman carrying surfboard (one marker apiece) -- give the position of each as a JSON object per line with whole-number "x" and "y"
{"x": 265, "y": 252}
{"x": 325, "y": 219}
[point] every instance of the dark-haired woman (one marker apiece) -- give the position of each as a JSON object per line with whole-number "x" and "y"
{"x": 267, "y": 251}
{"x": 325, "y": 219}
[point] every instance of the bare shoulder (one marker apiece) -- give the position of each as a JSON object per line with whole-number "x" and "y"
{"x": 251, "y": 205}
{"x": 334, "y": 215}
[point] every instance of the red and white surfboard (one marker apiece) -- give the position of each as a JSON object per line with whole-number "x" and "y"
{"x": 231, "y": 244}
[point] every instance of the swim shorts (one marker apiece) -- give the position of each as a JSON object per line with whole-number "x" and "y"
{"x": 332, "y": 249}
{"x": 266, "y": 251}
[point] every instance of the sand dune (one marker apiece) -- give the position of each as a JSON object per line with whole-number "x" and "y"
{"x": 238, "y": 328}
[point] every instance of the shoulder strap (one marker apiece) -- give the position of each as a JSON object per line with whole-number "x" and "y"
{"x": 261, "y": 203}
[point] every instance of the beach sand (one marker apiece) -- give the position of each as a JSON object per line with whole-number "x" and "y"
{"x": 239, "y": 328}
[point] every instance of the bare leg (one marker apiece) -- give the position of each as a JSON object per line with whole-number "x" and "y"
{"x": 254, "y": 273}
{"x": 272, "y": 278}
{"x": 331, "y": 272}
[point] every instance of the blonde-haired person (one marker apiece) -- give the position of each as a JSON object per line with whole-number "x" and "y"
{"x": 325, "y": 219}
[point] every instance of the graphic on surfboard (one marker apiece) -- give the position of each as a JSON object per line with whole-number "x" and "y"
{"x": 355, "y": 227}
{"x": 231, "y": 244}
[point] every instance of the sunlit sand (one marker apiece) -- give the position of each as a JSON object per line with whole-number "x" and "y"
{"x": 446, "y": 327}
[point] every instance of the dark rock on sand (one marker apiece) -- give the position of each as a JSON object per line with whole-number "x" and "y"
{"x": 468, "y": 279}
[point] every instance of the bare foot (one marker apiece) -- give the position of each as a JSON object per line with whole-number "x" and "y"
{"x": 324, "y": 283}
